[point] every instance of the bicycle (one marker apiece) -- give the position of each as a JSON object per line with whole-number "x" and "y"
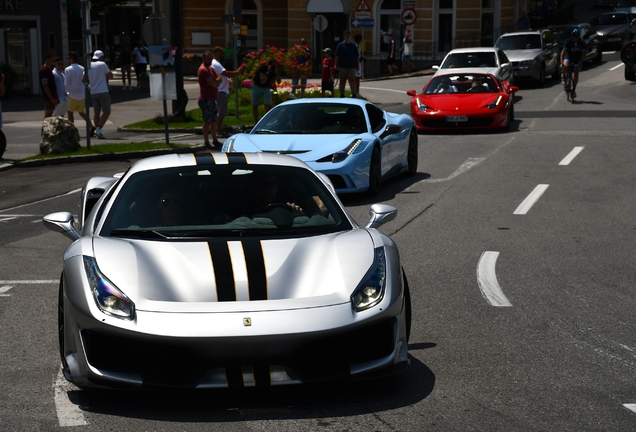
{"x": 569, "y": 91}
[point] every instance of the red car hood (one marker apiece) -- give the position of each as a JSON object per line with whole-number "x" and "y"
{"x": 458, "y": 102}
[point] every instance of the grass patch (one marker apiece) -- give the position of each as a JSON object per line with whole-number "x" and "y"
{"x": 111, "y": 149}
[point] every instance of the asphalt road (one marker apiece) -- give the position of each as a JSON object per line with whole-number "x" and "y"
{"x": 519, "y": 249}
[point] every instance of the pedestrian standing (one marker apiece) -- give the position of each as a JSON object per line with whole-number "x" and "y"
{"x": 141, "y": 60}
{"x": 209, "y": 82}
{"x": 327, "y": 72}
{"x": 266, "y": 76}
{"x": 297, "y": 80}
{"x": 390, "y": 60}
{"x": 98, "y": 76}
{"x": 347, "y": 63}
{"x": 523, "y": 22}
{"x": 3, "y": 138}
{"x": 47, "y": 84}
{"x": 358, "y": 40}
{"x": 224, "y": 89}
{"x": 125, "y": 63}
{"x": 74, "y": 85}
{"x": 407, "y": 51}
{"x": 58, "y": 74}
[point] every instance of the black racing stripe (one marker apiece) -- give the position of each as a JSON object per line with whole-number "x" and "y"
{"x": 262, "y": 376}
{"x": 255, "y": 262}
{"x": 222, "y": 263}
{"x": 236, "y": 158}
{"x": 234, "y": 375}
{"x": 204, "y": 159}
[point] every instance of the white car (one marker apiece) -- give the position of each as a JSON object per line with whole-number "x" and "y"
{"x": 480, "y": 59}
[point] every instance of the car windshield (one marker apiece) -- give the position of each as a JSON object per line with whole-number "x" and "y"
{"x": 626, "y": 3}
{"x": 313, "y": 118}
{"x": 610, "y": 19}
{"x": 223, "y": 200}
{"x": 464, "y": 83}
{"x": 470, "y": 60}
{"x": 519, "y": 42}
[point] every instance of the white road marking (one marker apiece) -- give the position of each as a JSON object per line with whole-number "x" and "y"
{"x": 617, "y": 66}
{"x": 534, "y": 196}
{"x": 43, "y": 200}
{"x": 5, "y": 219}
{"x": 470, "y": 162}
{"x": 68, "y": 414}
{"x": 385, "y": 89}
{"x": 487, "y": 279}
{"x": 566, "y": 160}
{"x": 631, "y": 407}
{"x": 4, "y": 289}
{"x": 29, "y": 282}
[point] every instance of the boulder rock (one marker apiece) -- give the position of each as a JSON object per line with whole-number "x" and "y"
{"x": 59, "y": 135}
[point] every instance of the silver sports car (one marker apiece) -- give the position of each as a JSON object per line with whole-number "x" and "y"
{"x": 217, "y": 270}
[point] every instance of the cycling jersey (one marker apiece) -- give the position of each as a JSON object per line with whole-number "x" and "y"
{"x": 574, "y": 50}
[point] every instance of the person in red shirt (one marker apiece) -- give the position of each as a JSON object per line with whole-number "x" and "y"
{"x": 327, "y": 72}
{"x": 47, "y": 83}
{"x": 209, "y": 82}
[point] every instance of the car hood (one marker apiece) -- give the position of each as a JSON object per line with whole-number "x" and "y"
{"x": 526, "y": 54}
{"x": 609, "y": 29}
{"x": 179, "y": 276}
{"x": 307, "y": 148}
{"x": 464, "y": 101}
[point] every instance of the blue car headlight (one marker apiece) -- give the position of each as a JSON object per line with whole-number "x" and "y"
{"x": 343, "y": 154}
{"x": 228, "y": 146}
{"x": 494, "y": 104}
{"x": 109, "y": 299}
{"x": 371, "y": 290}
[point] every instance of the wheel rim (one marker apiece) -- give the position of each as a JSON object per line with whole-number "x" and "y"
{"x": 374, "y": 172}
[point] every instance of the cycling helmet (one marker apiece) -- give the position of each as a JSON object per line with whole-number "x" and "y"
{"x": 575, "y": 32}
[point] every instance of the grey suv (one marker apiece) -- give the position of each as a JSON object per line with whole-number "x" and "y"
{"x": 533, "y": 53}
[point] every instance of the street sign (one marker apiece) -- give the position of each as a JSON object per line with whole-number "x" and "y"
{"x": 362, "y": 22}
{"x": 409, "y": 4}
{"x": 363, "y": 7}
{"x": 409, "y": 16}
{"x": 363, "y": 14}
{"x": 320, "y": 23}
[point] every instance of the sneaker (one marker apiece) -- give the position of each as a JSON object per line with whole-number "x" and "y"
{"x": 98, "y": 133}
{"x": 573, "y": 94}
{"x": 124, "y": 88}
{"x": 208, "y": 146}
{"x": 93, "y": 131}
{"x": 563, "y": 80}
{"x": 217, "y": 143}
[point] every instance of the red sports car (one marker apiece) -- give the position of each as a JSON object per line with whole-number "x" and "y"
{"x": 463, "y": 101}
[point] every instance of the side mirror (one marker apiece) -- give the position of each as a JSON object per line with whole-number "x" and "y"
{"x": 380, "y": 214}
{"x": 390, "y": 130}
{"x": 411, "y": 92}
{"x": 61, "y": 222}
{"x": 435, "y": 67}
{"x": 514, "y": 89}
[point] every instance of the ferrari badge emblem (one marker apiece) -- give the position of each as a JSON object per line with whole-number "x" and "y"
{"x": 247, "y": 322}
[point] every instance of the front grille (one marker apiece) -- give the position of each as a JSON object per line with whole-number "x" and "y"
{"x": 337, "y": 181}
{"x": 174, "y": 362}
{"x": 439, "y": 124}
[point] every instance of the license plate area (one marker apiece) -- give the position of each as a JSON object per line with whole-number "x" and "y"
{"x": 453, "y": 119}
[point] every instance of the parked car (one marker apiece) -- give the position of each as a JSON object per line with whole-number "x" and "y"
{"x": 353, "y": 142}
{"x": 482, "y": 59}
{"x": 562, "y": 33}
{"x": 463, "y": 101}
{"x": 182, "y": 276}
{"x": 534, "y": 53}
{"x": 614, "y": 28}
{"x": 628, "y": 56}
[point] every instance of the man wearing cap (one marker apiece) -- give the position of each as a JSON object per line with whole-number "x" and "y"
{"x": 47, "y": 83}
{"x": 327, "y": 72}
{"x": 98, "y": 76}
{"x": 224, "y": 88}
{"x": 347, "y": 63}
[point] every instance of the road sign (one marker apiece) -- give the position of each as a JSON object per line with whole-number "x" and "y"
{"x": 409, "y": 3}
{"x": 363, "y": 22}
{"x": 363, "y": 7}
{"x": 320, "y": 23}
{"x": 409, "y": 16}
{"x": 363, "y": 14}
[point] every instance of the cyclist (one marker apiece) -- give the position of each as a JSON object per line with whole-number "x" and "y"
{"x": 573, "y": 53}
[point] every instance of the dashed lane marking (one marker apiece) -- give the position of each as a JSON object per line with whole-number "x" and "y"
{"x": 566, "y": 160}
{"x": 534, "y": 196}
{"x": 487, "y": 279}
{"x": 631, "y": 407}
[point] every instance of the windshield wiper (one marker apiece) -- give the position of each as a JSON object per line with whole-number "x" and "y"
{"x": 137, "y": 232}
{"x": 264, "y": 131}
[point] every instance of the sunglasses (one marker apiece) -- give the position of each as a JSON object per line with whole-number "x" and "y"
{"x": 171, "y": 202}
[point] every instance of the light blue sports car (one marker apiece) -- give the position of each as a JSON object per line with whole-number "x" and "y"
{"x": 354, "y": 142}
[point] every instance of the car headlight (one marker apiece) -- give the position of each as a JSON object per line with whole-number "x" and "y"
{"x": 109, "y": 299}
{"x": 526, "y": 63}
{"x": 494, "y": 104}
{"x": 228, "y": 146}
{"x": 343, "y": 154}
{"x": 421, "y": 106}
{"x": 371, "y": 290}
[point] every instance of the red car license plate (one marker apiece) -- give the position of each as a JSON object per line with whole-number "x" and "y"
{"x": 456, "y": 118}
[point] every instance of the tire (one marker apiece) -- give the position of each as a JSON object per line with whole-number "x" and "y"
{"x": 412, "y": 154}
{"x": 375, "y": 173}
{"x": 599, "y": 56}
{"x": 60, "y": 326}
{"x": 3, "y": 143}
{"x": 541, "y": 80}
{"x": 629, "y": 75}
{"x": 407, "y": 305}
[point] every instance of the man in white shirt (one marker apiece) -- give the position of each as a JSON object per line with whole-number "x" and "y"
{"x": 58, "y": 73}
{"x": 74, "y": 84}
{"x": 224, "y": 88}
{"x": 140, "y": 52}
{"x": 98, "y": 76}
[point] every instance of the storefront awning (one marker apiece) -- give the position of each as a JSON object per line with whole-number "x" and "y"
{"x": 325, "y": 6}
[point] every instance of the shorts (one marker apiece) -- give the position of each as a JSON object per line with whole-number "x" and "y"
{"x": 390, "y": 60}
{"x": 208, "y": 110}
{"x": 359, "y": 72}
{"x": 327, "y": 85}
{"x": 347, "y": 72}
{"x": 261, "y": 92}
{"x": 221, "y": 104}
{"x": 101, "y": 102}
{"x": 567, "y": 61}
{"x": 406, "y": 57}
{"x": 303, "y": 81}
{"x": 125, "y": 68}
{"x": 48, "y": 105}
{"x": 60, "y": 109}
{"x": 75, "y": 105}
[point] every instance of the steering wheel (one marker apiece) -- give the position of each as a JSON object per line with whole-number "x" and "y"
{"x": 272, "y": 206}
